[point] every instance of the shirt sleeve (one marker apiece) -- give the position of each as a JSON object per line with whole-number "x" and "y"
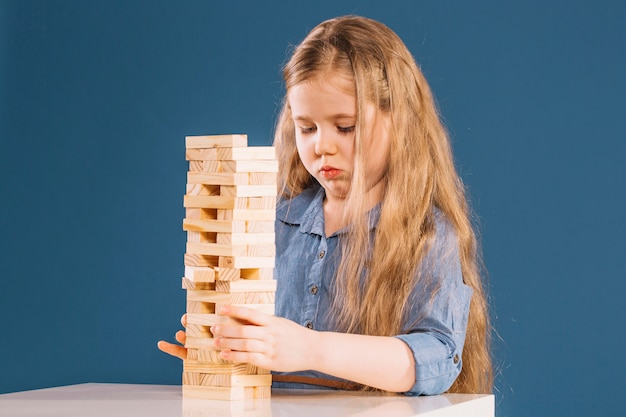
{"x": 437, "y": 317}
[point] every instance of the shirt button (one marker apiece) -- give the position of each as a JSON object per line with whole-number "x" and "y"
{"x": 455, "y": 359}
{"x": 321, "y": 254}
{"x": 314, "y": 289}
{"x": 309, "y": 325}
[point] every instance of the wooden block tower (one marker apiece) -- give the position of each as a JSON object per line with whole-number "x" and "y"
{"x": 230, "y": 211}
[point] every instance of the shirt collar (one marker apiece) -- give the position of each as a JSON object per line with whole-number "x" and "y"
{"x": 306, "y": 210}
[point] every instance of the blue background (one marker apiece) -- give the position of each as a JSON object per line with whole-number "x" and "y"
{"x": 97, "y": 97}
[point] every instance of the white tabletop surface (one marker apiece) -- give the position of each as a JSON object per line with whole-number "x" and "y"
{"x": 122, "y": 400}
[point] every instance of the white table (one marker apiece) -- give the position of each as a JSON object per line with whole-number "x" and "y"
{"x": 121, "y": 400}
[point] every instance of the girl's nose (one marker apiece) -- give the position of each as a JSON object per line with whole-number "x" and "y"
{"x": 325, "y": 143}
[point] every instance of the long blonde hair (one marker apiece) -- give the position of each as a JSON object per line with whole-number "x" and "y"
{"x": 420, "y": 176}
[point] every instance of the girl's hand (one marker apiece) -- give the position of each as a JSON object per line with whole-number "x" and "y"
{"x": 176, "y": 350}
{"x": 263, "y": 340}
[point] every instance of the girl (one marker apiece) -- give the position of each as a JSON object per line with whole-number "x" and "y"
{"x": 377, "y": 267}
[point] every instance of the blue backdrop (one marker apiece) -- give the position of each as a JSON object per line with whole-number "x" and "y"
{"x": 97, "y": 97}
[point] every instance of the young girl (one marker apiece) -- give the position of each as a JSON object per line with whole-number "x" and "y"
{"x": 377, "y": 269}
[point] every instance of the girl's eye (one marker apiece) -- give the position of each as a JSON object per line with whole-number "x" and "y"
{"x": 346, "y": 129}
{"x": 307, "y": 130}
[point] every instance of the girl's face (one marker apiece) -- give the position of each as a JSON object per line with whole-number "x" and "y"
{"x": 324, "y": 114}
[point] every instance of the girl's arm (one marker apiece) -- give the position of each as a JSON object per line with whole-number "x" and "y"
{"x": 279, "y": 344}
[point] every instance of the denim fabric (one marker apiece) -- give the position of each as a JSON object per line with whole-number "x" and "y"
{"x": 306, "y": 262}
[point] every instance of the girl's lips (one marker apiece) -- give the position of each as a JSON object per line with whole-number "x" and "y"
{"x": 328, "y": 172}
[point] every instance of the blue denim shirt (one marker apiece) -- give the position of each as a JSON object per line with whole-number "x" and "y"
{"x": 306, "y": 261}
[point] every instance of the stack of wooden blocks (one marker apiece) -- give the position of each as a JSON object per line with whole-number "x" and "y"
{"x": 230, "y": 211}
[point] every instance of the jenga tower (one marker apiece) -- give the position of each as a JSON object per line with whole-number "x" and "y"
{"x": 230, "y": 211}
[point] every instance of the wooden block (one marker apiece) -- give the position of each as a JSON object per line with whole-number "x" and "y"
{"x": 200, "y": 307}
{"x": 245, "y": 262}
{"x": 260, "y": 226}
{"x": 255, "y": 190}
{"x": 216, "y": 141}
{"x": 215, "y": 249}
{"x": 200, "y": 343}
{"x": 212, "y": 296}
{"x": 199, "y": 237}
{"x": 205, "y": 166}
{"x": 249, "y": 153}
{"x": 257, "y": 273}
{"x": 214, "y": 201}
{"x": 215, "y": 368}
{"x": 208, "y": 319}
{"x": 245, "y": 238}
{"x": 246, "y": 214}
{"x": 246, "y": 286}
{"x": 249, "y": 166}
{"x": 203, "y": 189}
{"x": 194, "y": 330}
{"x": 226, "y": 393}
{"x": 200, "y": 273}
{"x": 188, "y": 284}
{"x": 214, "y": 225}
{"x": 225, "y": 380}
{"x": 265, "y": 250}
{"x": 206, "y": 355}
{"x": 200, "y": 154}
{"x": 201, "y": 260}
{"x": 201, "y": 213}
{"x": 262, "y": 178}
{"x": 217, "y": 178}
{"x": 267, "y": 203}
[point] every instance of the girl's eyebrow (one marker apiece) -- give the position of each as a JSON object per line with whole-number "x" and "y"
{"x": 333, "y": 117}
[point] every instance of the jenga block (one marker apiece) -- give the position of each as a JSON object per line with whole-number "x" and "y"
{"x": 214, "y": 201}
{"x": 226, "y": 393}
{"x": 214, "y": 225}
{"x": 257, "y": 273}
{"x": 188, "y": 284}
{"x": 252, "y": 153}
{"x": 225, "y": 380}
{"x": 255, "y": 190}
{"x": 201, "y": 343}
{"x": 217, "y": 178}
{"x": 266, "y": 203}
{"x": 203, "y": 189}
{"x": 260, "y": 226}
{"x": 262, "y": 178}
{"x": 201, "y": 213}
{"x": 208, "y": 319}
{"x": 201, "y": 260}
{"x": 216, "y": 141}
{"x": 215, "y": 368}
{"x": 194, "y": 330}
{"x": 205, "y": 166}
{"x": 227, "y": 274}
{"x": 246, "y": 238}
{"x": 246, "y": 286}
{"x": 200, "y": 274}
{"x": 265, "y": 250}
{"x": 210, "y": 296}
{"x": 207, "y": 354}
{"x": 249, "y": 166}
{"x": 199, "y": 307}
{"x": 245, "y": 262}
{"x": 200, "y": 237}
{"x": 245, "y": 214}
{"x": 215, "y": 249}
{"x": 200, "y": 154}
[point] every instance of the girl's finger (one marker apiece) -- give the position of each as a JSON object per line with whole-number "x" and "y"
{"x": 241, "y": 345}
{"x": 171, "y": 349}
{"x": 181, "y": 337}
{"x": 246, "y": 314}
{"x": 183, "y": 320}
{"x": 239, "y": 331}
